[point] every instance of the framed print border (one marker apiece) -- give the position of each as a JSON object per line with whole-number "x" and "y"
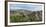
{"x": 6, "y": 13}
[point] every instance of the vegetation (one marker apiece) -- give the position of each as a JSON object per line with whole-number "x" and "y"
{"x": 25, "y": 16}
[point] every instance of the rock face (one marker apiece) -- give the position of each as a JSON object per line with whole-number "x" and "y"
{"x": 25, "y": 15}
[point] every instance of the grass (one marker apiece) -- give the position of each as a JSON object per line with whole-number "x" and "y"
{"x": 22, "y": 18}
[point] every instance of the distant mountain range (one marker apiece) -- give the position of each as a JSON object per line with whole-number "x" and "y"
{"x": 35, "y": 15}
{"x": 21, "y": 11}
{"x": 24, "y": 11}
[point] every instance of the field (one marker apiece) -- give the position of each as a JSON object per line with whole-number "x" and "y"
{"x": 21, "y": 15}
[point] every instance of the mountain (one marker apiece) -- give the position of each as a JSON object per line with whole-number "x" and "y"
{"x": 21, "y": 11}
{"x": 21, "y": 15}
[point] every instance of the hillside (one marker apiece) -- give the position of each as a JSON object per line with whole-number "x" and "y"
{"x": 21, "y": 15}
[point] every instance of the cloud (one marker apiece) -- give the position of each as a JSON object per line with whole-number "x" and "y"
{"x": 26, "y": 6}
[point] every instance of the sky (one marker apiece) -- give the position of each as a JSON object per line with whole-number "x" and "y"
{"x": 26, "y": 6}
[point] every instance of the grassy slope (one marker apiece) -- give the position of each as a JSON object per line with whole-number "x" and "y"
{"x": 18, "y": 16}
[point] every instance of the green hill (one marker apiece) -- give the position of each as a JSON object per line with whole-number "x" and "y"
{"x": 21, "y": 15}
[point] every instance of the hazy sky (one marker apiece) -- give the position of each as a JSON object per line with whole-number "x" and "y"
{"x": 25, "y": 6}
